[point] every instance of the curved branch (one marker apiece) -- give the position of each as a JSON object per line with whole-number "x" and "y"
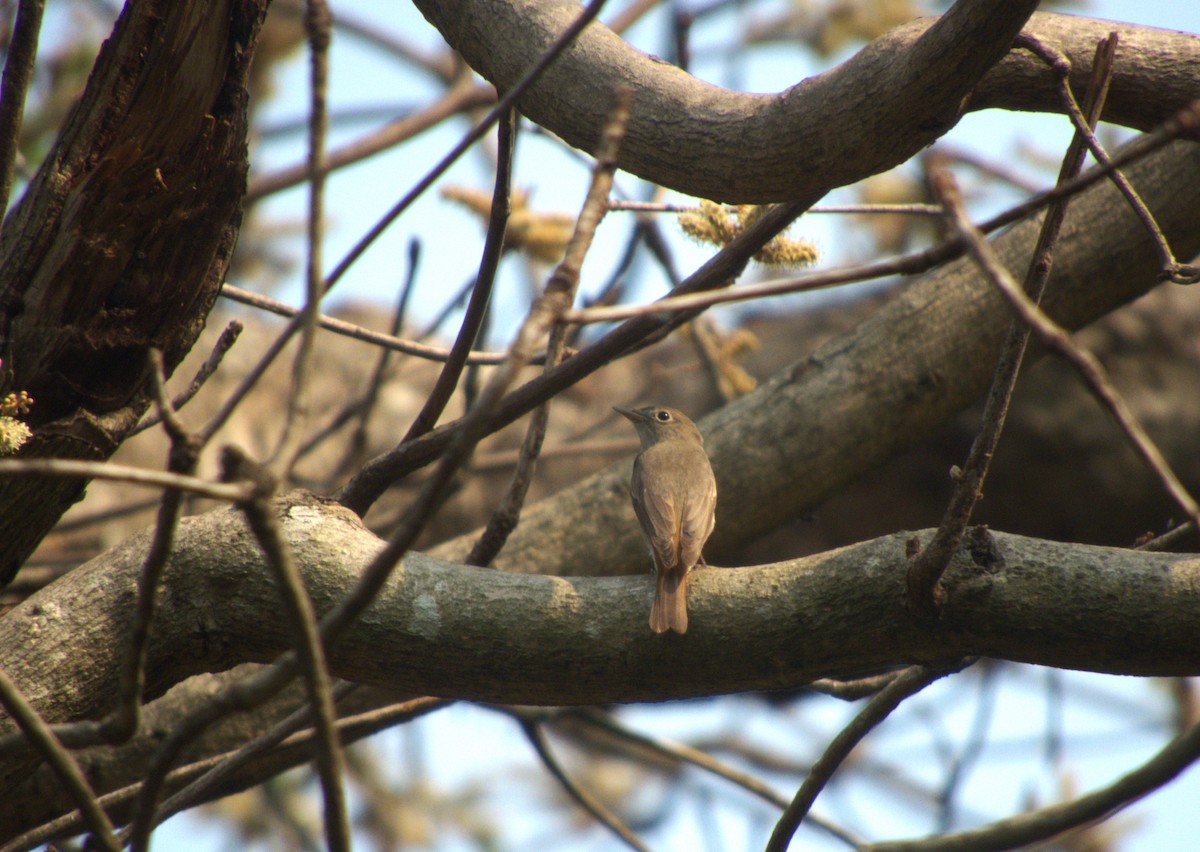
{"x": 439, "y": 628}
{"x": 870, "y": 113}
{"x": 874, "y": 111}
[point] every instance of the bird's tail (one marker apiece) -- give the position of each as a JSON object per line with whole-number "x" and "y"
{"x": 669, "y": 611}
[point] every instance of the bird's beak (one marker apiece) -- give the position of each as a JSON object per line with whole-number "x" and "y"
{"x": 628, "y": 414}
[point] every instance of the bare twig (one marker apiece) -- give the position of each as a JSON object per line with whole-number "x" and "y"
{"x": 985, "y": 166}
{"x": 359, "y": 440}
{"x": 123, "y": 473}
{"x": 43, "y": 740}
{"x": 360, "y": 408}
{"x": 559, "y": 296}
{"x": 972, "y": 747}
{"x": 853, "y": 690}
{"x": 878, "y": 708}
{"x": 465, "y": 95}
{"x": 688, "y": 754}
{"x": 182, "y": 459}
{"x": 18, "y": 71}
{"x": 317, "y": 26}
{"x": 1026, "y": 829}
{"x": 1170, "y": 539}
{"x": 537, "y": 738}
{"x": 930, "y": 563}
{"x": 1055, "y": 338}
{"x": 302, "y": 620}
{"x": 481, "y": 293}
{"x": 1183, "y": 123}
{"x": 206, "y": 778}
{"x": 510, "y": 97}
{"x": 1173, "y": 270}
{"x": 385, "y": 341}
{"x": 501, "y": 108}
{"x": 439, "y": 65}
{"x": 224, "y": 343}
{"x": 349, "y": 729}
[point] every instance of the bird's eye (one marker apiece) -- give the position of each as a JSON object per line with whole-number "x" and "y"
{"x": 663, "y": 416}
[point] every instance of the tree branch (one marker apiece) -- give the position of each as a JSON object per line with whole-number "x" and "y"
{"x": 844, "y": 409}
{"x": 122, "y": 239}
{"x": 443, "y": 629}
{"x": 829, "y": 130}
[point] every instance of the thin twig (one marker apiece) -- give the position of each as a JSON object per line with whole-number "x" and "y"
{"x": 386, "y": 341}
{"x": 317, "y": 26}
{"x": 18, "y": 71}
{"x": 703, "y": 760}
{"x": 1057, "y": 340}
{"x": 1172, "y": 269}
{"x": 853, "y": 690}
{"x": 1171, "y": 538}
{"x": 559, "y": 296}
{"x": 224, "y": 343}
{"x": 439, "y": 65}
{"x": 206, "y": 778}
{"x": 244, "y": 694}
{"x": 510, "y": 97}
{"x": 878, "y": 708}
{"x": 972, "y": 748}
{"x": 358, "y": 440}
{"x": 465, "y": 95}
{"x": 930, "y": 563}
{"x": 234, "y": 398}
{"x": 1026, "y": 829}
{"x": 52, "y": 751}
{"x": 595, "y": 807}
{"x": 183, "y": 458}
{"x": 302, "y": 621}
{"x": 360, "y": 409}
{"x": 124, "y": 473}
{"x": 985, "y": 166}
{"x": 481, "y": 293}
{"x": 1182, "y": 123}
{"x": 378, "y": 474}
{"x": 586, "y": 15}
{"x": 284, "y": 733}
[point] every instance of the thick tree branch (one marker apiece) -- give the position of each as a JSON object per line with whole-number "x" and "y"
{"x": 846, "y": 408}
{"x": 873, "y": 112}
{"x": 444, "y": 629}
{"x": 121, "y": 241}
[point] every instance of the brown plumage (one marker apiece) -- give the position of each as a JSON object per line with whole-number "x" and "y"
{"x": 675, "y": 497}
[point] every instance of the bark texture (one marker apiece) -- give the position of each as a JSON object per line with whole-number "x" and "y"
{"x": 122, "y": 240}
{"x": 868, "y": 394}
{"x": 440, "y": 628}
{"x": 868, "y": 114}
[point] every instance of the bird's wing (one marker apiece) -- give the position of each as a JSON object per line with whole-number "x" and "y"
{"x": 657, "y": 516}
{"x": 696, "y": 523}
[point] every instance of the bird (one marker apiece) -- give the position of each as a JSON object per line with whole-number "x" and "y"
{"x": 674, "y": 496}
